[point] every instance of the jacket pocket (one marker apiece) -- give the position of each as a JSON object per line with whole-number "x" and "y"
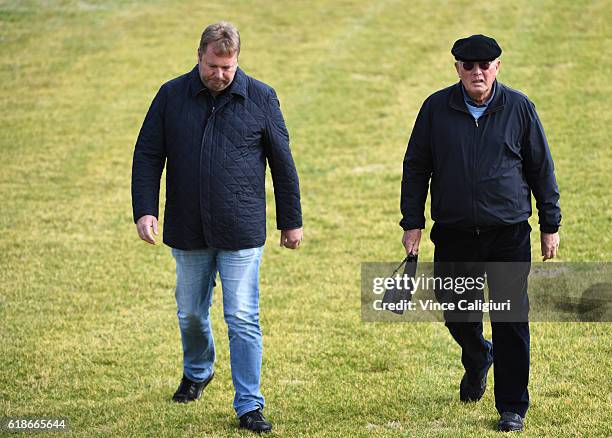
{"x": 250, "y": 213}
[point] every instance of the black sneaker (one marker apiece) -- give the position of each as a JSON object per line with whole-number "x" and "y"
{"x": 189, "y": 390}
{"x": 473, "y": 391}
{"x": 510, "y": 422}
{"x": 255, "y": 421}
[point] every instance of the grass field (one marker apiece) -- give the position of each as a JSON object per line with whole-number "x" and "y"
{"x": 88, "y": 327}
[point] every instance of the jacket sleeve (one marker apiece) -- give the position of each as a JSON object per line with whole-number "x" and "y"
{"x": 282, "y": 166}
{"x": 149, "y": 160}
{"x": 540, "y": 175}
{"x": 417, "y": 172}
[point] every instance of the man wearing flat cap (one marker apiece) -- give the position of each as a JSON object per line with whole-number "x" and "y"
{"x": 483, "y": 147}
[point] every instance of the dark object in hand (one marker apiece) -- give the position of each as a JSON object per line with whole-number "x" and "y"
{"x": 396, "y": 295}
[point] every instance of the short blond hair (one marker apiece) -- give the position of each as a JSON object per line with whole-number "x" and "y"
{"x": 224, "y": 36}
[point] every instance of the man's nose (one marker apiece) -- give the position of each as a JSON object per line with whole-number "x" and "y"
{"x": 477, "y": 70}
{"x": 218, "y": 73}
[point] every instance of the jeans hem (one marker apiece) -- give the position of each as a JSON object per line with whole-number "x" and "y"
{"x": 247, "y": 408}
{"x": 210, "y": 373}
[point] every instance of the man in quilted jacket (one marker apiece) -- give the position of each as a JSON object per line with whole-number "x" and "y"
{"x": 215, "y": 129}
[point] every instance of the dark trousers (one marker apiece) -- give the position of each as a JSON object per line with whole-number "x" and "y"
{"x": 462, "y": 252}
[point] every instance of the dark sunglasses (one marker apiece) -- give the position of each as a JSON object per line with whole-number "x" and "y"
{"x": 470, "y": 65}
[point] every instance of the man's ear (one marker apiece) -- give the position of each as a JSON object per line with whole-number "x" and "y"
{"x": 199, "y": 56}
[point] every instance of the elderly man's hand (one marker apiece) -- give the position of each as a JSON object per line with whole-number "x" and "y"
{"x": 550, "y": 245}
{"x": 411, "y": 241}
{"x": 291, "y": 238}
{"x": 144, "y": 225}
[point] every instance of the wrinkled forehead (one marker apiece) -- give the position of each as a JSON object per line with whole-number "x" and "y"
{"x": 221, "y": 49}
{"x": 212, "y": 57}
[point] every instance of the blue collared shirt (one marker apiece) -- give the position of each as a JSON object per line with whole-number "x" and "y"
{"x": 477, "y": 110}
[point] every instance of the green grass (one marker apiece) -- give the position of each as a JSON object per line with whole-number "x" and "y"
{"x": 87, "y": 315}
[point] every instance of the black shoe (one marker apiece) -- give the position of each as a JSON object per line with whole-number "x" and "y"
{"x": 255, "y": 421}
{"x": 189, "y": 390}
{"x": 510, "y": 422}
{"x": 472, "y": 392}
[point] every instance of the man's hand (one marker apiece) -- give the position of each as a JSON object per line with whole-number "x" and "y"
{"x": 144, "y": 225}
{"x": 291, "y": 238}
{"x": 550, "y": 245}
{"x": 411, "y": 241}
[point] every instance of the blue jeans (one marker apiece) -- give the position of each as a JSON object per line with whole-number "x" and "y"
{"x": 195, "y": 278}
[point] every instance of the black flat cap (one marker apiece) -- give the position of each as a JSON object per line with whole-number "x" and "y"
{"x": 476, "y": 48}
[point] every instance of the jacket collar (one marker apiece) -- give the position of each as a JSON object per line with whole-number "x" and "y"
{"x": 457, "y": 102}
{"x": 238, "y": 85}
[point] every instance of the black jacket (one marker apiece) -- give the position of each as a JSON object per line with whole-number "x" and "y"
{"x": 482, "y": 174}
{"x": 215, "y": 151}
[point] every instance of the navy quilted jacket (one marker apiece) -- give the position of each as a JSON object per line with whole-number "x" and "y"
{"x": 215, "y": 152}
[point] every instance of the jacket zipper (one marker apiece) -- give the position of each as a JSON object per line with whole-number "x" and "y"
{"x": 206, "y": 129}
{"x": 475, "y": 144}
{"x": 210, "y": 118}
{"x": 210, "y": 160}
{"x": 210, "y": 166}
{"x": 477, "y": 141}
{"x": 475, "y": 177}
